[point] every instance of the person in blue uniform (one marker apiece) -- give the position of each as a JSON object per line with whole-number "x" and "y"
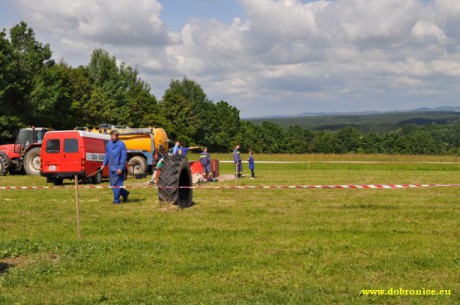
{"x": 251, "y": 163}
{"x": 205, "y": 161}
{"x": 176, "y": 148}
{"x": 115, "y": 157}
{"x": 183, "y": 151}
{"x": 237, "y": 161}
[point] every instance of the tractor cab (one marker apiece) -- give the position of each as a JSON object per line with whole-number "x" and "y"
{"x": 24, "y": 155}
{"x": 27, "y": 137}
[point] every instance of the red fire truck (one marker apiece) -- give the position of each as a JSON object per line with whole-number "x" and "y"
{"x": 67, "y": 153}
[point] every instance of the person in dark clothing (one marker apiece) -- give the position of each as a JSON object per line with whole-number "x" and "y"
{"x": 251, "y": 163}
{"x": 205, "y": 161}
{"x": 237, "y": 161}
{"x": 115, "y": 157}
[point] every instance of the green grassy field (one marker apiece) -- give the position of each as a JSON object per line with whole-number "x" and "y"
{"x": 273, "y": 246}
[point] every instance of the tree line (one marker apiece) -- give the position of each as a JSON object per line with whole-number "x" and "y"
{"x": 36, "y": 90}
{"x": 410, "y": 139}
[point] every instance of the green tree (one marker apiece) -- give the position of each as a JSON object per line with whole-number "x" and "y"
{"x": 142, "y": 108}
{"x": 223, "y": 126}
{"x": 250, "y": 137}
{"x": 372, "y": 144}
{"x": 298, "y": 140}
{"x": 326, "y": 143}
{"x": 112, "y": 93}
{"x": 274, "y": 138}
{"x": 22, "y": 60}
{"x": 7, "y": 76}
{"x": 420, "y": 142}
{"x": 181, "y": 121}
{"x": 349, "y": 138}
{"x": 31, "y": 57}
{"x": 9, "y": 116}
{"x": 80, "y": 94}
{"x": 51, "y": 98}
{"x": 201, "y": 110}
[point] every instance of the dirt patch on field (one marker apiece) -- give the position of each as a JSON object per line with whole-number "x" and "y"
{"x": 11, "y": 262}
{"x": 18, "y": 261}
{"x": 166, "y": 207}
{"x": 226, "y": 177}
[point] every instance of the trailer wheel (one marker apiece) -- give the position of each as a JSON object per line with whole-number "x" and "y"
{"x": 32, "y": 161}
{"x": 4, "y": 164}
{"x": 137, "y": 165}
{"x": 175, "y": 173}
{"x": 96, "y": 179}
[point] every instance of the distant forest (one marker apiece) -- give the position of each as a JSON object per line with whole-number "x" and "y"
{"x": 36, "y": 90}
{"x": 365, "y": 123}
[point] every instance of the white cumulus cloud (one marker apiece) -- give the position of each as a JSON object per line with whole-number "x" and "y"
{"x": 281, "y": 56}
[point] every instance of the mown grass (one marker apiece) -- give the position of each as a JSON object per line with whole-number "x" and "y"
{"x": 276, "y": 246}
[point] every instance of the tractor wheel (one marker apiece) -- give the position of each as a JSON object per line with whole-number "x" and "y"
{"x": 137, "y": 165}
{"x": 32, "y": 161}
{"x": 4, "y": 164}
{"x": 175, "y": 173}
{"x": 58, "y": 181}
{"x": 96, "y": 179}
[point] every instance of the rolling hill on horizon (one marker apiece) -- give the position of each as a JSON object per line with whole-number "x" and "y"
{"x": 367, "y": 121}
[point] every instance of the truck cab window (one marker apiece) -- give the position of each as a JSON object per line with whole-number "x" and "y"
{"x": 53, "y": 146}
{"x": 70, "y": 145}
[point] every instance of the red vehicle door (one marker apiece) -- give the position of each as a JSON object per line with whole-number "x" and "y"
{"x": 72, "y": 147}
{"x": 51, "y": 154}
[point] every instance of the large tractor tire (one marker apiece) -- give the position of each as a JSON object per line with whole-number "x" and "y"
{"x": 4, "y": 164}
{"x": 32, "y": 161}
{"x": 137, "y": 165}
{"x": 175, "y": 174}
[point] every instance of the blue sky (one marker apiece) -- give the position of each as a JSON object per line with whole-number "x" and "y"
{"x": 268, "y": 57}
{"x": 176, "y": 13}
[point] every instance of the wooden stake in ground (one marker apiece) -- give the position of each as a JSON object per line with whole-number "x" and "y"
{"x": 236, "y": 182}
{"x": 77, "y": 204}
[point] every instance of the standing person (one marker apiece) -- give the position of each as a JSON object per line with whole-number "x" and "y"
{"x": 184, "y": 150}
{"x": 205, "y": 161}
{"x": 176, "y": 148}
{"x": 115, "y": 157}
{"x": 237, "y": 161}
{"x": 251, "y": 163}
{"x": 156, "y": 171}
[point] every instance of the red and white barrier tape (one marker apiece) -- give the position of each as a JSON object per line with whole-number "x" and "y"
{"x": 348, "y": 162}
{"x": 339, "y": 186}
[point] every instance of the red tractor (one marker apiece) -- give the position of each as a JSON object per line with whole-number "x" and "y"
{"x": 25, "y": 154}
